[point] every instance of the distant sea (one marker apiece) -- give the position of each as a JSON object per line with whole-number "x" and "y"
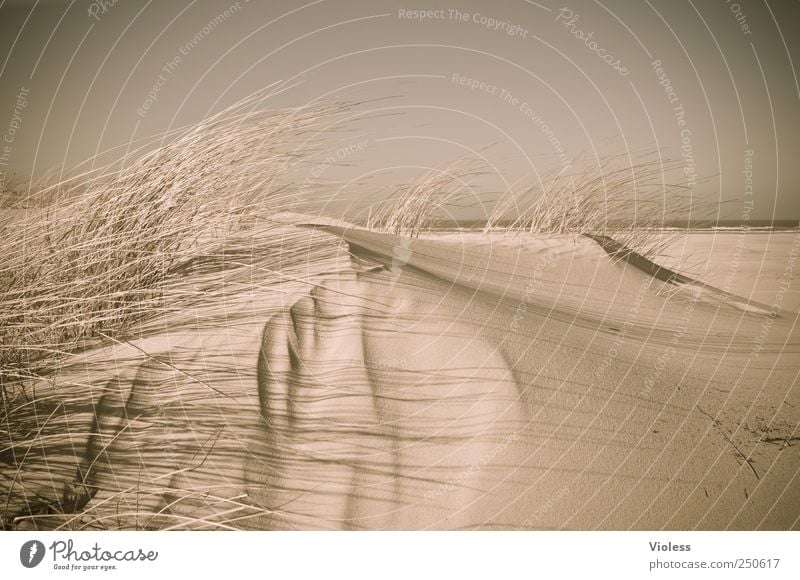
{"x": 693, "y": 225}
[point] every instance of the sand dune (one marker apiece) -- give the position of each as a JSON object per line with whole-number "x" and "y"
{"x": 440, "y": 383}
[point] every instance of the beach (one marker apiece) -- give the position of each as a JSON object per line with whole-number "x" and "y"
{"x": 348, "y": 379}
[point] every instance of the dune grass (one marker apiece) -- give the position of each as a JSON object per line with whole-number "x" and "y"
{"x": 93, "y": 252}
{"x": 178, "y": 223}
{"x": 629, "y": 199}
{"x": 624, "y": 197}
{"x": 417, "y": 206}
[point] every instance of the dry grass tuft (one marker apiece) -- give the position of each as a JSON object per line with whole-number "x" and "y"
{"x": 628, "y": 200}
{"x": 416, "y": 207}
{"x": 95, "y": 251}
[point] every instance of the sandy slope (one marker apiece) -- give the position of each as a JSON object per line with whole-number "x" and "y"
{"x": 441, "y": 383}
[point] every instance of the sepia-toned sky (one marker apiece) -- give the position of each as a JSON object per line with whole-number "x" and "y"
{"x": 531, "y": 85}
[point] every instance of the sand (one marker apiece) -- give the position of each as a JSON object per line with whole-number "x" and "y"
{"x": 451, "y": 382}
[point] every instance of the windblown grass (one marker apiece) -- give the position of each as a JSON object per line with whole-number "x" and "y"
{"x": 176, "y": 224}
{"x": 105, "y": 249}
{"x": 629, "y": 199}
{"x": 416, "y": 207}
{"x": 94, "y": 252}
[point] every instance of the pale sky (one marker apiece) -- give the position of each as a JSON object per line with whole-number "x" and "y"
{"x": 712, "y": 83}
